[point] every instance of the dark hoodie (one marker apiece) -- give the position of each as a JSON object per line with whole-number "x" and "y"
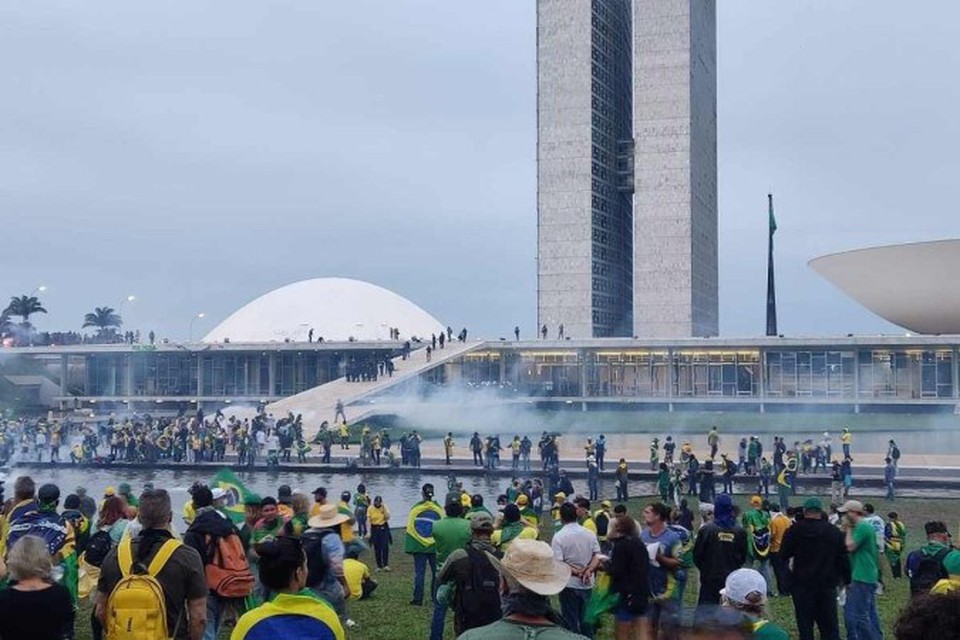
{"x": 208, "y": 522}
{"x": 819, "y": 553}
{"x": 719, "y": 550}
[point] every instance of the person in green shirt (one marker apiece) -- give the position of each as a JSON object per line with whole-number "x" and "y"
{"x": 756, "y": 523}
{"x": 126, "y": 492}
{"x": 745, "y": 591}
{"x": 860, "y": 611}
{"x": 450, "y": 533}
{"x": 663, "y": 482}
{"x": 418, "y": 541}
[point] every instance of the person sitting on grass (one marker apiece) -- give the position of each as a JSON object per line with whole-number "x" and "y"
{"x": 357, "y": 575}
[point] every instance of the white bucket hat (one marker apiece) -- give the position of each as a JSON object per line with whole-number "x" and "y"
{"x": 531, "y": 563}
{"x": 328, "y": 516}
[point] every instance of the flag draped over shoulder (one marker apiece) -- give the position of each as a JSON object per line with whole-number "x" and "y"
{"x": 237, "y": 493}
{"x": 419, "y": 532}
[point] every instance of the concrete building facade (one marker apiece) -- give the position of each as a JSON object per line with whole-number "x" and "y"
{"x": 626, "y": 154}
{"x": 675, "y": 197}
{"x": 585, "y": 230}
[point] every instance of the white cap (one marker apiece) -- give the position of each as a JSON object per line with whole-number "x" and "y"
{"x": 742, "y": 584}
{"x": 218, "y": 493}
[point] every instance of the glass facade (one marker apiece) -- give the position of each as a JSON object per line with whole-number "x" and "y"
{"x": 611, "y": 202}
{"x": 744, "y": 373}
{"x": 841, "y": 373}
{"x": 226, "y": 374}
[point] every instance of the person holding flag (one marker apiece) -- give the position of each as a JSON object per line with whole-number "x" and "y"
{"x": 756, "y": 523}
{"x": 418, "y": 542}
{"x": 785, "y": 480}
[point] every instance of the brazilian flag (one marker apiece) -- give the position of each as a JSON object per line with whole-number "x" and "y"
{"x": 237, "y": 494}
{"x": 419, "y": 532}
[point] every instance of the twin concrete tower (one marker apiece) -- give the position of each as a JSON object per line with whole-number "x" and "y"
{"x": 627, "y": 167}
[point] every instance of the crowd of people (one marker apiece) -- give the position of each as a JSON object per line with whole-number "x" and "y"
{"x": 199, "y": 438}
{"x": 291, "y": 563}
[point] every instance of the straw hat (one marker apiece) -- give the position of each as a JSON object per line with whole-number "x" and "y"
{"x": 531, "y": 563}
{"x": 328, "y": 516}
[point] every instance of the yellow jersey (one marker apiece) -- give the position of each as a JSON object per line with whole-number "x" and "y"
{"x": 355, "y": 572}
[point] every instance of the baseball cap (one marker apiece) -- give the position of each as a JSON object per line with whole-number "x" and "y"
{"x": 813, "y": 504}
{"x": 218, "y": 493}
{"x": 745, "y": 586}
{"x": 48, "y": 493}
{"x": 606, "y": 504}
{"x": 851, "y": 505}
{"x": 935, "y": 527}
{"x": 561, "y": 495}
{"x": 523, "y": 499}
{"x": 480, "y": 521}
{"x": 756, "y": 501}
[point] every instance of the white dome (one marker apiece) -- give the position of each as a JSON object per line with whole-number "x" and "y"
{"x": 337, "y": 309}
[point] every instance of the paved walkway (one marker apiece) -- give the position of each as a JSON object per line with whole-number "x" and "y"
{"x": 319, "y": 404}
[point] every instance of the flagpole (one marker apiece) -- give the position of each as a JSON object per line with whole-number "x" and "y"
{"x": 771, "y": 290}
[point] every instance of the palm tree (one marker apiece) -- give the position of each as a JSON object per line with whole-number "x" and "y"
{"x": 103, "y": 318}
{"x": 24, "y": 306}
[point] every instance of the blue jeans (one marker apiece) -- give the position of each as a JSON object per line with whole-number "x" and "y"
{"x": 439, "y": 617}
{"x": 573, "y": 605}
{"x": 860, "y": 612}
{"x": 212, "y": 629}
{"x": 420, "y": 561}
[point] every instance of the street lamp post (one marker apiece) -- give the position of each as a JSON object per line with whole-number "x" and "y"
{"x": 199, "y": 316}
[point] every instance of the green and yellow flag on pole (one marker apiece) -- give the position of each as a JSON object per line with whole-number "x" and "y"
{"x": 237, "y": 494}
{"x": 773, "y": 219}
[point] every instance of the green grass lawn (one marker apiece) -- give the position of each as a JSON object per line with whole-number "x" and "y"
{"x": 388, "y": 616}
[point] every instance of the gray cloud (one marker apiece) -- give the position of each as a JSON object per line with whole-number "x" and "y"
{"x": 198, "y": 155}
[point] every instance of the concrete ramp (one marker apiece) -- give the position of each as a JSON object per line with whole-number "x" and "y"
{"x": 319, "y": 404}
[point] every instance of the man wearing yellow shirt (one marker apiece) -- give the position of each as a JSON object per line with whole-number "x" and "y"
{"x": 511, "y": 529}
{"x": 779, "y": 523}
{"x": 583, "y": 515}
{"x": 357, "y": 575}
{"x": 319, "y": 499}
{"x": 558, "y": 500}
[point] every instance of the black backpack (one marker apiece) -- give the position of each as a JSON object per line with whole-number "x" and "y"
{"x": 312, "y": 539}
{"x": 478, "y": 599}
{"x": 98, "y": 546}
{"x": 924, "y": 571}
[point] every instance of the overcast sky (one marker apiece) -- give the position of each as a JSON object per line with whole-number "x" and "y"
{"x": 199, "y": 154}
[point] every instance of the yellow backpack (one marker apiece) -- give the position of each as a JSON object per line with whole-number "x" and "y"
{"x": 136, "y": 609}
